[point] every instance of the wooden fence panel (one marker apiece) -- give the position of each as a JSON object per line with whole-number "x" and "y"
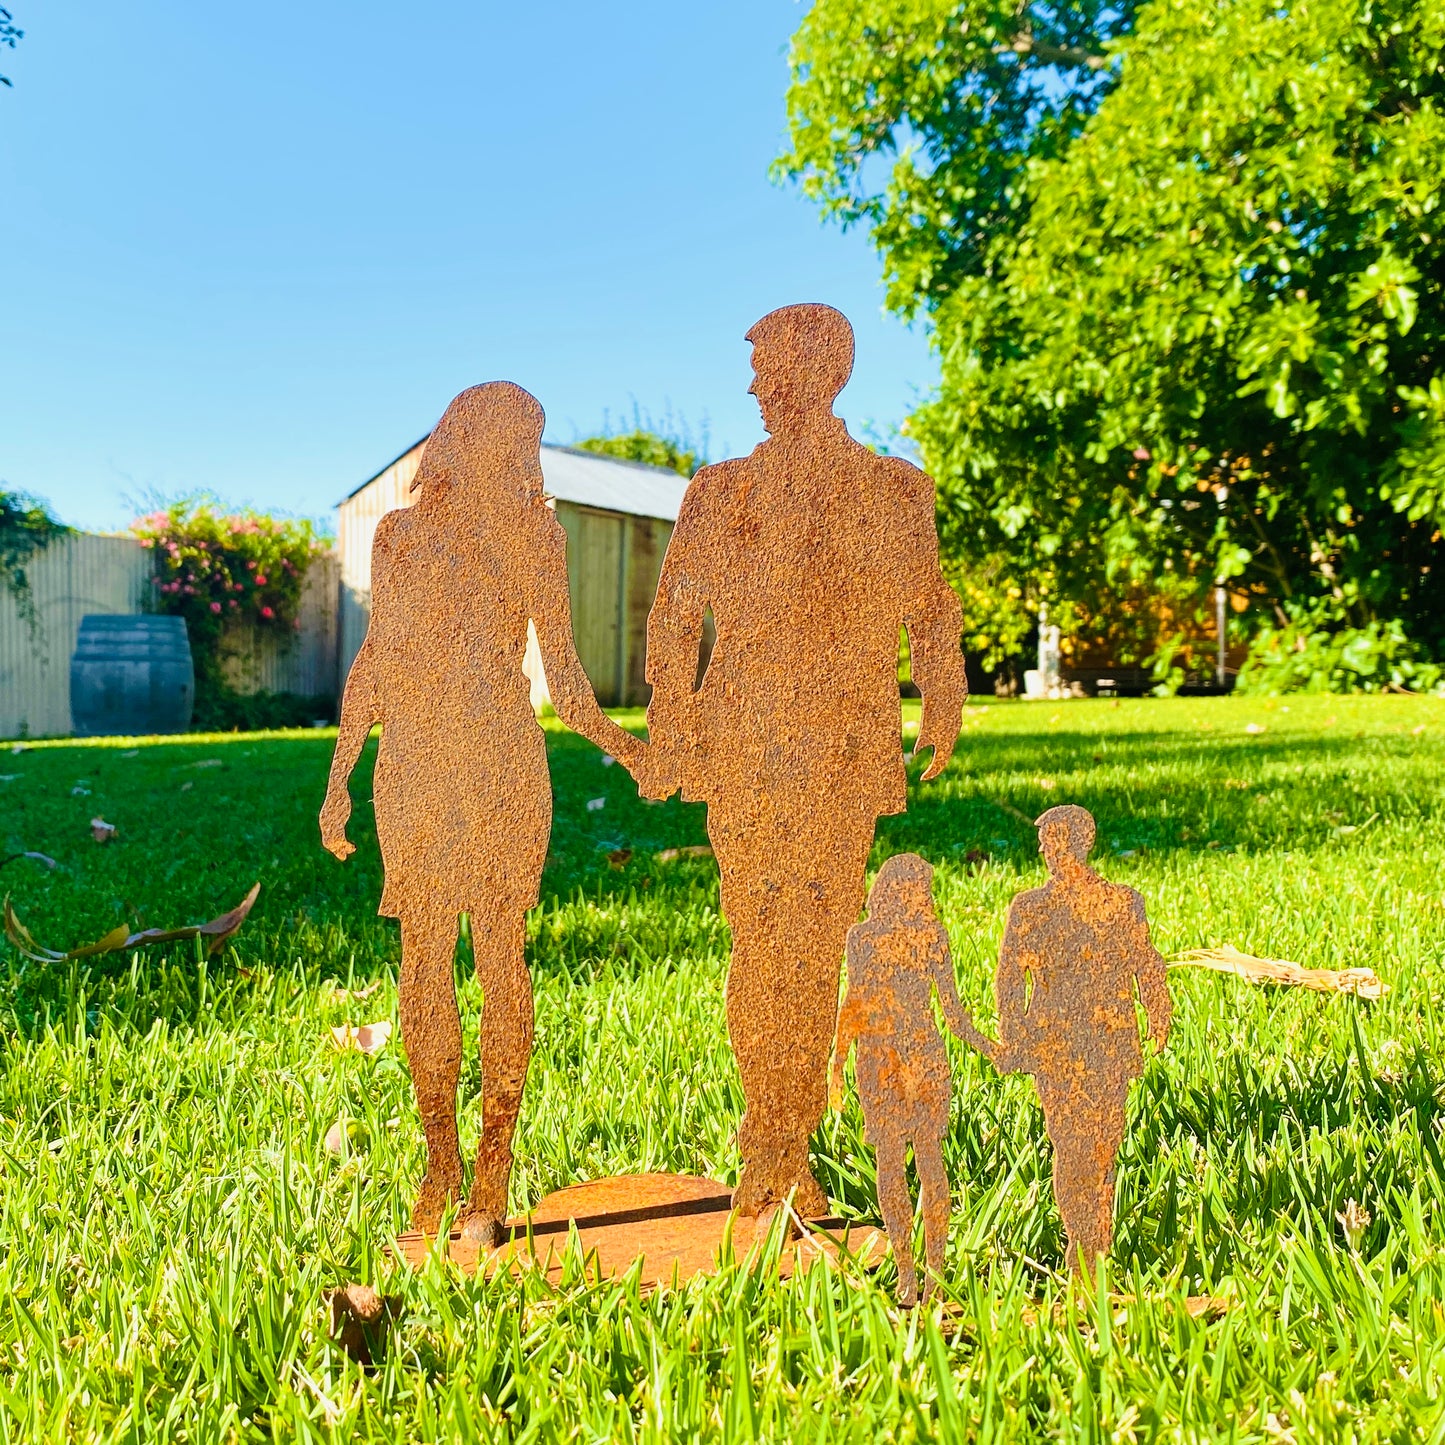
{"x": 305, "y": 663}
{"x": 74, "y": 577}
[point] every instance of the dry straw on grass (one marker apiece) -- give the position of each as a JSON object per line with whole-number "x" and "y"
{"x": 1362, "y": 982}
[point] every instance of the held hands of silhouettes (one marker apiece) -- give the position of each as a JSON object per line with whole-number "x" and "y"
{"x": 335, "y": 813}
{"x": 657, "y": 772}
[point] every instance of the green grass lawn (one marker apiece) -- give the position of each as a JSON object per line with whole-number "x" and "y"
{"x": 170, "y": 1215}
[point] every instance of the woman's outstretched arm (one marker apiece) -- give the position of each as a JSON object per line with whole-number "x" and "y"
{"x": 550, "y": 607}
{"x": 358, "y": 712}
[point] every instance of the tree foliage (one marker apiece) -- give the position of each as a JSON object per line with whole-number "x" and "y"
{"x": 10, "y": 33}
{"x": 27, "y": 526}
{"x": 1210, "y": 346}
{"x": 220, "y": 569}
{"x": 666, "y": 441}
{"x": 647, "y": 447}
{"x": 963, "y": 96}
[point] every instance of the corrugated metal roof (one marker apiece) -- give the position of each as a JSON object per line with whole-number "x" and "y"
{"x": 590, "y": 480}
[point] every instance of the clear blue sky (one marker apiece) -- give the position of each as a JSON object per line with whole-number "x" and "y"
{"x": 257, "y": 249}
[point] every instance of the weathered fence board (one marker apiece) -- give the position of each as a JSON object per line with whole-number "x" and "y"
{"x": 73, "y": 577}
{"x": 255, "y": 661}
{"x": 83, "y": 574}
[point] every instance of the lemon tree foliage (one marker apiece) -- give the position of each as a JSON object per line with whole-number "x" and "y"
{"x": 1189, "y": 309}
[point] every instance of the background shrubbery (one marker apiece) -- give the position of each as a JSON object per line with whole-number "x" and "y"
{"x": 218, "y": 569}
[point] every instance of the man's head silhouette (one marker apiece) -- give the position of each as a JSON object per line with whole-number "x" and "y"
{"x": 802, "y": 359}
{"x": 1066, "y": 835}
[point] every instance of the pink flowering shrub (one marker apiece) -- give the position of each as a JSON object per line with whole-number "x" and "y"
{"x": 217, "y": 569}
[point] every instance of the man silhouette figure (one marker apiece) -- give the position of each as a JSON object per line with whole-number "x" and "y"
{"x": 811, "y": 554}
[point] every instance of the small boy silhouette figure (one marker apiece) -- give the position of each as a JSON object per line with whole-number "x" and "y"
{"x": 896, "y": 957}
{"x": 1074, "y": 952}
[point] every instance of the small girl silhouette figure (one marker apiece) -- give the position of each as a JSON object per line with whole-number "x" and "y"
{"x": 896, "y": 957}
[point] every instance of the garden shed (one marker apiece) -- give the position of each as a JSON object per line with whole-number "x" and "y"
{"x": 617, "y": 515}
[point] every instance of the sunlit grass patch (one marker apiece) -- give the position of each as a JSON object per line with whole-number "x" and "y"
{"x": 171, "y": 1212}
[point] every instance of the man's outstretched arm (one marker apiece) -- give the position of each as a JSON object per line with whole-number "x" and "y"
{"x": 934, "y": 619}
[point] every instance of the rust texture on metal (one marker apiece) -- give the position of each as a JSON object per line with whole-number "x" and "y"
{"x": 896, "y": 958}
{"x": 809, "y": 554}
{"x": 462, "y": 796}
{"x": 1074, "y": 953}
{"x": 677, "y": 1226}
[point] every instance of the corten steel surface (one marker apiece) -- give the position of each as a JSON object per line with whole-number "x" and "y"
{"x": 1073, "y": 953}
{"x": 810, "y": 554}
{"x": 896, "y": 958}
{"x": 678, "y": 1225}
{"x": 462, "y": 796}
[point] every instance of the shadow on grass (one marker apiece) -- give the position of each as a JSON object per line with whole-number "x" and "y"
{"x": 200, "y": 820}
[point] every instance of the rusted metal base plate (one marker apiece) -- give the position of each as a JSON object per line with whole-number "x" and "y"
{"x": 675, "y": 1223}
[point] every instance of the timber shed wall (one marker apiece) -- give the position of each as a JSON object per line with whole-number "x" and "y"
{"x": 613, "y": 562}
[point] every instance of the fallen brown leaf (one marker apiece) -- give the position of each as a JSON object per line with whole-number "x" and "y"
{"x": 216, "y": 932}
{"x": 102, "y": 831}
{"x": 1362, "y": 982}
{"x": 620, "y": 857}
{"x": 366, "y": 1039}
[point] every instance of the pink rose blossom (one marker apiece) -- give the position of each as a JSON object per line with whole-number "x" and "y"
{"x": 260, "y": 579}
{"x": 215, "y": 607}
{"x": 267, "y": 613}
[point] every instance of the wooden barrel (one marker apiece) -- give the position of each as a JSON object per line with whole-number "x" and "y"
{"x": 131, "y": 675}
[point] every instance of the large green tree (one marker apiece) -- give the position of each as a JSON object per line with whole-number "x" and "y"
{"x": 1207, "y": 341}
{"x": 922, "y": 118}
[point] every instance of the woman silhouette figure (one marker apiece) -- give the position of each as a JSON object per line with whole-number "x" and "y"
{"x": 462, "y": 793}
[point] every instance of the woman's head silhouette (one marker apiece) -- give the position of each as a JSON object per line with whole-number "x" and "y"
{"x": 490, "y": 436}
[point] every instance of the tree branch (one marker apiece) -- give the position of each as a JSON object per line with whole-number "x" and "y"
{"x": 1069, "y": 57}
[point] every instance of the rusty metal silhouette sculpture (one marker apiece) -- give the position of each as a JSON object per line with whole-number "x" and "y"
{"x": 462, "y": 793}
{"x": 896, "y": 959}
{"x": 1074, "y": 951}
{"x": 811, "y": 554}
